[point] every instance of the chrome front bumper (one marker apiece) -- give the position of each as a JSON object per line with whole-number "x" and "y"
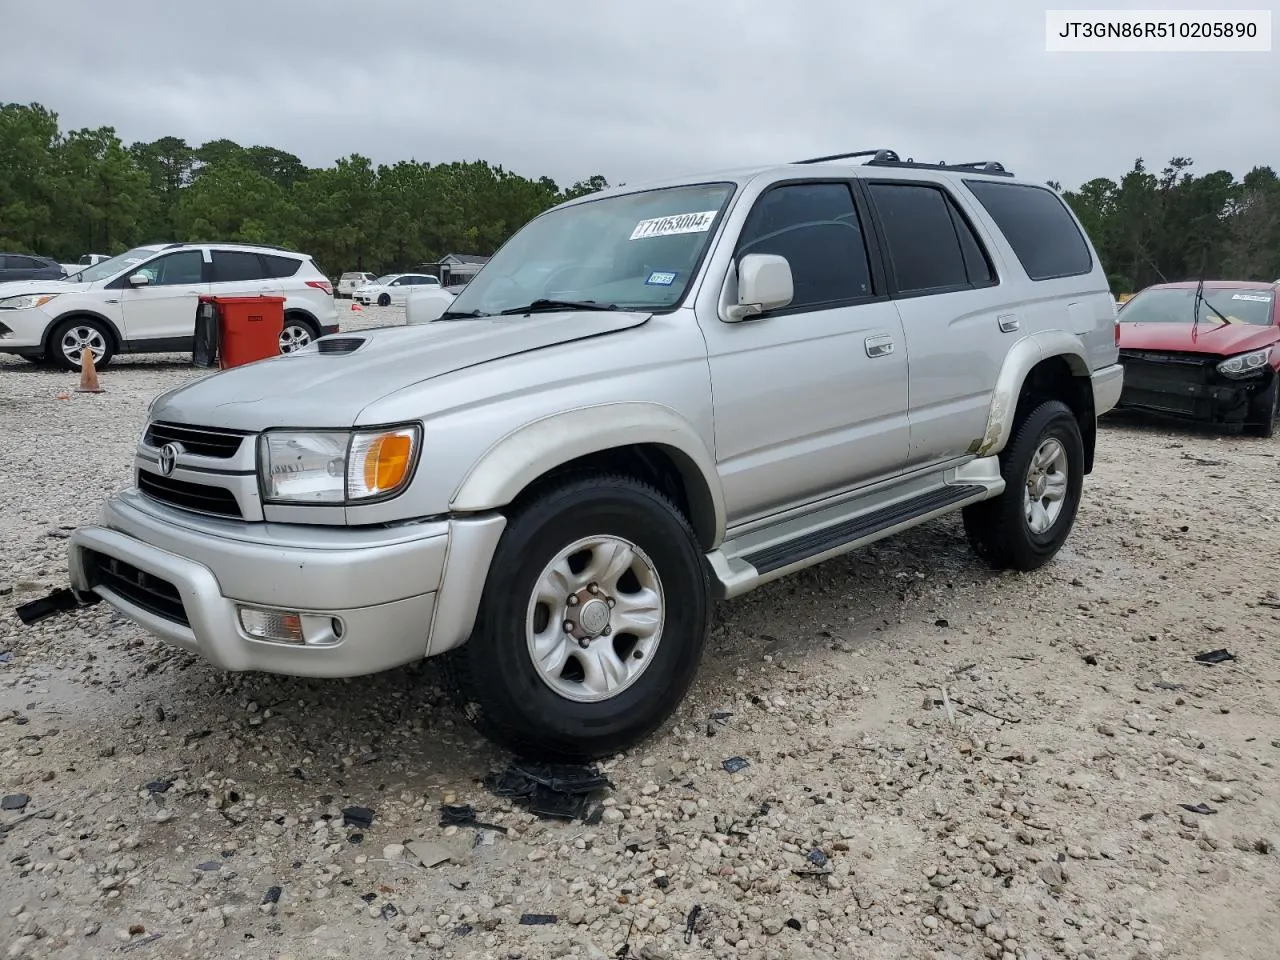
{"x": 369, "y": 598}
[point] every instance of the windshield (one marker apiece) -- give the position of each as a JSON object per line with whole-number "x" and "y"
{"x": 635, "y": 251}
{"x": 1177, "y": 305}
{"x": 108, "y": 268}
{"x": 387, "y": 279}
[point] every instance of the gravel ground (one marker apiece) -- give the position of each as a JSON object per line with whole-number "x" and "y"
{"x": 942, "y": 762}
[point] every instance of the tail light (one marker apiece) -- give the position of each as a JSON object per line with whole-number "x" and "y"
{"x": 327, "y": 287}
{"x": 1117, "y": 331}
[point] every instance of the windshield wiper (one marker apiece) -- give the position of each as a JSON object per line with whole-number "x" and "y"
{"x": 460, "y": 315}
{"x": 542, "y": 306}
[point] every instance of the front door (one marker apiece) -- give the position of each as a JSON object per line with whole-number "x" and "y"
{"x": 810, "y": 399}
{"x": 165, "y": 308}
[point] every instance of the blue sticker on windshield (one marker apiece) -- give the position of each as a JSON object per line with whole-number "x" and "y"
{"x": 661, "y": 279}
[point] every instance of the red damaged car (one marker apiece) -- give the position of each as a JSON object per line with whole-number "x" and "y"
{"x": 1204, "y": 350}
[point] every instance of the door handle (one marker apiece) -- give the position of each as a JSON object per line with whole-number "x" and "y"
{"x": 879, "y": 346}
{"x": 1008, "y": 322}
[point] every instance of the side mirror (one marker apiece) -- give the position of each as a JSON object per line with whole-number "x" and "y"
{"x": 764, "y": 283}
{"x": 139, "y": 280}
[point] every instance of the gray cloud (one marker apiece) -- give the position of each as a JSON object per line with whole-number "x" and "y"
{"x": 569, "y": 88}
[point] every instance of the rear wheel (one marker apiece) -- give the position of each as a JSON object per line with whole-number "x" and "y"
{"x": 296, "y": 334}
{"x": 72, "y": 337}
{"x": 1265, "y": 410}
{"x": 592, "y": 622}
{"x": 1043, "y": 470}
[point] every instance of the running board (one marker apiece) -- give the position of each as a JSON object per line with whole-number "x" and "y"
{"x": 746, "y": 562}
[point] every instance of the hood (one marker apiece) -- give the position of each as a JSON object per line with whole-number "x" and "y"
{"x": 1212, "y": 338}
{"x": 16, "y": 288}
{"x": 315, "y": 388}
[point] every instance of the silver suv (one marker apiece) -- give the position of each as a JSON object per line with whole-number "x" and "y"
{"x": 649, "y": 399}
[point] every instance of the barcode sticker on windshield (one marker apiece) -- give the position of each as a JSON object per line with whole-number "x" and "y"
{"x": 661, "y": 278}
{"x": 1250, "y": 296}
{"x": 670, "y": 226}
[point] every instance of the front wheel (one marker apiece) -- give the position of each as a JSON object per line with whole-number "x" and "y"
{"x": 72, "y": 337}
{"x": 591, "y": 625}
{"x": 1265, "y": 410}
{"x": 1043, "y": 470}
{"x": 384, "y": 300}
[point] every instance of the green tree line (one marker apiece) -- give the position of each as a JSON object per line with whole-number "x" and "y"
{"x": 63, "y": 194}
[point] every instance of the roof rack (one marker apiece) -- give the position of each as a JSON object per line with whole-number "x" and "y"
{"x": 890, "y": 158}
{"x": 232, "y": 243}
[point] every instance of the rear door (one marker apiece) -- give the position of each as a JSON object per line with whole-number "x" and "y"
{"x": 242, "y": 273}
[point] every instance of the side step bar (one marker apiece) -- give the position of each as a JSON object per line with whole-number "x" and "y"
{"x": 858, "y": 528}
{"x": 749, "y": 560}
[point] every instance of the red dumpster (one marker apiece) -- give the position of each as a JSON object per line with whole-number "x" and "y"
{"x": 248, "y": 328}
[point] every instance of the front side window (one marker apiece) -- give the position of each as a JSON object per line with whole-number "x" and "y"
{"x": 817, "y": 228}
{"x": 635, "y": 251}
{"x": 176, "y": 268}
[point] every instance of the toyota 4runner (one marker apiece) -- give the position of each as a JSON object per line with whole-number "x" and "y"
{"x": 649, "y": 399}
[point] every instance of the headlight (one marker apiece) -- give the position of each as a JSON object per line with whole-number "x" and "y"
{"x": 1245, "y": 364}
{"x": 336, "y": 466}
{"x": 27, "y": 301}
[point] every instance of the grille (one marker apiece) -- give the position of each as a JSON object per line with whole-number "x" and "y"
{"x": 189, "y": 496}
{"x": 153, "y": 594}
{"x": 202, "y": 441}
{"x": 1168, "y": 381}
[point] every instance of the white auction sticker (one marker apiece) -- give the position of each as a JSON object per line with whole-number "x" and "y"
{"x": 1158, "y": 31}
{"x": 1251, "y": 297}
{"x": 670, "y": 226}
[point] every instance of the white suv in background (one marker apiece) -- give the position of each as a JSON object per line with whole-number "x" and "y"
{"x": 144, "y": 301}
{"x": 393, "y": 288}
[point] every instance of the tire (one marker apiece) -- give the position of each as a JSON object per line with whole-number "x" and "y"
{"x": 297, "y": 333}
{"x": 545, "y": 715}
{"x": 999, "y": 529}
{"x": 1265, "y": 411}
{"x": 64, "y": 343}
{"x": 384, "y": 299}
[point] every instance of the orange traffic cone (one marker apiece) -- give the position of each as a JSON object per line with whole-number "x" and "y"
{"x": 88, "y": 375}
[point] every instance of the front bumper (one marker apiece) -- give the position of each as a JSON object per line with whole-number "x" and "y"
{"x": 1108, "y": 383}
{"x": 370, "y": 598}
{"x": 1189, "y": 387}
{"x": 22, "y": 331}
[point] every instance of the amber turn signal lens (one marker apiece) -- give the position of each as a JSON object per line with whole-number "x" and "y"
{"x": 386, "y": 463}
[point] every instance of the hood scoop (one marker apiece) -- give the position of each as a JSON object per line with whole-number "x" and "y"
{"x": 339, "y": 344}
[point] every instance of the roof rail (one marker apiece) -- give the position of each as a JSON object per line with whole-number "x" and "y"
{"x": 888, "y": 156}
{"x": 234, "y": 243}
{"x": 991, "y": 167}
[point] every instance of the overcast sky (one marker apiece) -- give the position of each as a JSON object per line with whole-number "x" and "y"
{"x": 639, "y": 90}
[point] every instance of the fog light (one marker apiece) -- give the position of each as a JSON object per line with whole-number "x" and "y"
{"x": 280, "y": 626}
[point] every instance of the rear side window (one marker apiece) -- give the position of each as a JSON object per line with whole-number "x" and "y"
{"x": 26, "y": 263}
{"x": 817, "y": 228}
{"x": 278, "y": 266}
{"x": 930, "y": 243}
{"x": 230, "y": 266}
{"x": 1035, "y": 221}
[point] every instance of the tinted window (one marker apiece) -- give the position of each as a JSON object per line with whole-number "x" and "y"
{"x": 817, "y": 228}
{"x": 237, "y": 265}
{"x": 16, "y": 262}
{"x": 1037, "y": 225}
{"x": 924, "y": 249}
{"x": 184, "y": 267}
{"x": 280, "y": 266}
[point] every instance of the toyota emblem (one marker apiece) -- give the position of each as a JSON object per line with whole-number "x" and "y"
{"x": 169, "y": 457}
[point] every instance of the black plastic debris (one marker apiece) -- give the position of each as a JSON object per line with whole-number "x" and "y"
{"x": 942, "y": 622}
{"x": 1213, "y": 656}
{"x": 720, "y": 718}
{"x": 537, "y": 919}
{"x": 1146, "y": 817}
{"x": 1091, "y": 659}
{"x": 389, "y": 911}
{"x": 272, "y": 895}
{"x": 368, "y": 897}
{"x": 550, "y": 791}
{"x": 464, "y": 815}
{"x": 794, "y": 924}
{"x": 356, "y": 838}
{"x": 357, "y": 817}
{"x": 734, "y": 764}
{"x": 158, "y": 786}
{"x": 15, "y": 801}
{"x": 59, "y": 601}
{"x": 1201, "y": 808}
{"x": 462, "y": 929}
{"x": 817, "y": 857}
{"x": 691, "y": 922}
